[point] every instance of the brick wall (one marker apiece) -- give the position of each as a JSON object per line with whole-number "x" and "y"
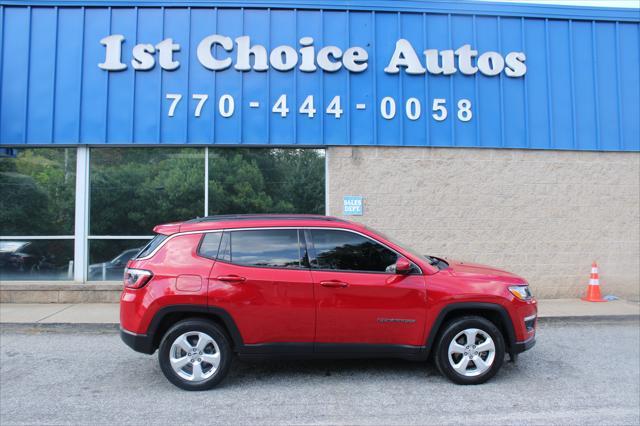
{"x": 545, "y": 215}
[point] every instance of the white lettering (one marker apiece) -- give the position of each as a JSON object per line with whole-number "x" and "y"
{"x": 113, "y": 53}
{"x": 327, "y": 64}
{"x": 515, "y": 64}
{"x": 307, "y": 52}
{"x": 165, "y": 49}
{"x": 205, "y": 55}
{"x": 404, "y": 56}
{"x": 283, "y": 58}
{"x": 245, "y": 50}
{"x": 491, "y": 63}
{"x": 465, "y": 54}
{"x": 355, "y": 59}
{"x": 255, "y": 57}
{"x": 143, "y": 57}
{"x": 433, "y": 66}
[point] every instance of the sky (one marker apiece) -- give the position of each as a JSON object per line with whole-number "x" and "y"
{"x": 598, "y": 3}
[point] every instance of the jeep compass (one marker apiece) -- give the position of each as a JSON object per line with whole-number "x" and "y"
{"x": 257, "y": 286}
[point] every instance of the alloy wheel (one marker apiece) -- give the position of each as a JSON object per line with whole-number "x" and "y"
{"x": 471, "y": 352}
{"x": 194, "y": 356}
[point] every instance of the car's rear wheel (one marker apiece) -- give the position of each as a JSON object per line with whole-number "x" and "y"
{"x": 470, "y": 350}
{"x": 195, "y": 354}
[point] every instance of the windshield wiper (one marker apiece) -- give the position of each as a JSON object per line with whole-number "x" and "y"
{"x": 432, "y": 260}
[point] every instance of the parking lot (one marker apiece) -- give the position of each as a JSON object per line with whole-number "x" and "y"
{"x": 578, "y": 373}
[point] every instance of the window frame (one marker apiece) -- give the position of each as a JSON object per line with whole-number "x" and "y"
{"x": 303, "y": 251}
{"x": 314, "y": 263}
{"x": 304, "y": 236}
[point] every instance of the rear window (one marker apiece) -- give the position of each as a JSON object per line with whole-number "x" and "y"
{"x": 151, "y": 246}
{"x": 209, "y": 245}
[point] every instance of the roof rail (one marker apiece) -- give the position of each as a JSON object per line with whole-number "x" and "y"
{"x": 220, "y": 218}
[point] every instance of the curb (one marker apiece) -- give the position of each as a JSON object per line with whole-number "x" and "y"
{"x": 61, "y": 327}
{"x": 588, "y": 318}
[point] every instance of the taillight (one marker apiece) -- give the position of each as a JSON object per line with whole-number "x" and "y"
{"x": 136, "y": 278}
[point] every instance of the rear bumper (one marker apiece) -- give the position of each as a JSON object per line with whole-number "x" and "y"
{"x": 137, "y": 342}
{"x": 519, "y": 347}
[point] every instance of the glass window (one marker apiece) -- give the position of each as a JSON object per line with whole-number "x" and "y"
{"x": 108, "y": 258}
{"x": 347, "y": 251}
{"x": 37, "y": 192}
{"x": 276, "y": 248}
{"x": 210, "y": 244}
{"x": 29, "y": 260}
{"x": 224, "y": 253}
{"x": 134, "y": 189}
{"x": 264, "y": 180}
{"x": 152, "y": 245}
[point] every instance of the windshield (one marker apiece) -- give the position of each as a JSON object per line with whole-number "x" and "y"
{"x": 434, "y": 261}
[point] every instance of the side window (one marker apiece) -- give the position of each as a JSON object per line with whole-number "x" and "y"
{"x": 346, "y": 251}
{"x": 274, "y": 248}
{"x": 210, "y": 244}
{"x": 152, "y": 245}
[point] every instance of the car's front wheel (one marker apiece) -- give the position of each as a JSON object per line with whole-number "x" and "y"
{"x": 470, "y": 350}
{"x": 195, "y": 354}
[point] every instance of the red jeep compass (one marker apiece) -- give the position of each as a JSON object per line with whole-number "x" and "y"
{"x": 207, "y": 289}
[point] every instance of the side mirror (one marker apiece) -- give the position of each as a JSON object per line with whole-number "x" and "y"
{"x": 403, "y": 266}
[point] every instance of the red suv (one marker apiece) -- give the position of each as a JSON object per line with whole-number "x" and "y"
{"x": 298, "y": 286}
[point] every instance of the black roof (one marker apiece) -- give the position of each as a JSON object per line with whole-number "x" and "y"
{"x": 219, "y": 218}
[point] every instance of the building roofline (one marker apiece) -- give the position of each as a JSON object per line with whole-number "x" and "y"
{"x": 460, "y": 7}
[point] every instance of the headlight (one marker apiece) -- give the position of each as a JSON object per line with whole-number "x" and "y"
{"x": 522, "y": 292}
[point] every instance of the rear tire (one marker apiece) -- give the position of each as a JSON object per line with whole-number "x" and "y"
{"x": 195, "y": 354}
{"x": 470, "y": 350}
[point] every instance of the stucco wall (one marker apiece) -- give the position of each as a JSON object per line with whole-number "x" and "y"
{"x": 545, "y": 215}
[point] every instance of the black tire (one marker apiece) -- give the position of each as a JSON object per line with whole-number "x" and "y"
{"x": 451, "y": 330}
{"x": 195, "y": 325}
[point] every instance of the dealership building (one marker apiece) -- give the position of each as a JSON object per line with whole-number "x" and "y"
{"x": 497, "y": 133}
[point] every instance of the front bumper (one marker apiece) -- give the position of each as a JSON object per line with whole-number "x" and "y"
{"x": 519, "y": 347}
{"x": 137, "y": 342}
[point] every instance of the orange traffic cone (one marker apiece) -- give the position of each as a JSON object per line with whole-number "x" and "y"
{"x": 593, "y": 290}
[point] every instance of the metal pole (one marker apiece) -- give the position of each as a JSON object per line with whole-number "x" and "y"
{"x": 326, "y": 181}
{"x": 206, "y": 181}
{"x": 82, "y": 215}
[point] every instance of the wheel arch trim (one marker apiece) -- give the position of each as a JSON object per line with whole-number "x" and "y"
{"x": 461, "y": 307}
{"x": 209, "y": 311}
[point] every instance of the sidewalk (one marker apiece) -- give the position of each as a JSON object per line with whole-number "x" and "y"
{"x": 108, "y": 313}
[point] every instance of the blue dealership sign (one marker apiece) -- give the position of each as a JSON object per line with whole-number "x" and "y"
{"x": 352, "y": 205}
{"x": 316, "y": 73}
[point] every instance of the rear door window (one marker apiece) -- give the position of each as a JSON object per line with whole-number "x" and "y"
{"x": 270, "y": 248}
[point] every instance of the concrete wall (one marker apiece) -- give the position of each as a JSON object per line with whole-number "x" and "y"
{"x": 545, "y": 215}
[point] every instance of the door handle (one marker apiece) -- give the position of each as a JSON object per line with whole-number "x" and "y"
{"x": 231, "y": 278}
{"x": 334, "y": 284}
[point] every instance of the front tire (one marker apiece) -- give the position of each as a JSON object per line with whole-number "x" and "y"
{"x": 470, "y": 350}
{"x": 195, "y": 355}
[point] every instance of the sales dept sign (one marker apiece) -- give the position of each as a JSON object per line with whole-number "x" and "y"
{"x": 218, "y": 52}
{"x": 352, "y": 205}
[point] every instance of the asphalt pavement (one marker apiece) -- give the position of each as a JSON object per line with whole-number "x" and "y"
{"x": 585, "y": 372}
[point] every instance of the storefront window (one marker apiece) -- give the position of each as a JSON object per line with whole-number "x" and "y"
{"x": 263, "y": 180}
{"x": 108, "y": 258}
{"x": 36, "y": 259}
{"x": 130, "y": 191}
{"x": 134, "y": 189}
{"x": 37, "y": 192}
{"x": 37, "y": 205}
